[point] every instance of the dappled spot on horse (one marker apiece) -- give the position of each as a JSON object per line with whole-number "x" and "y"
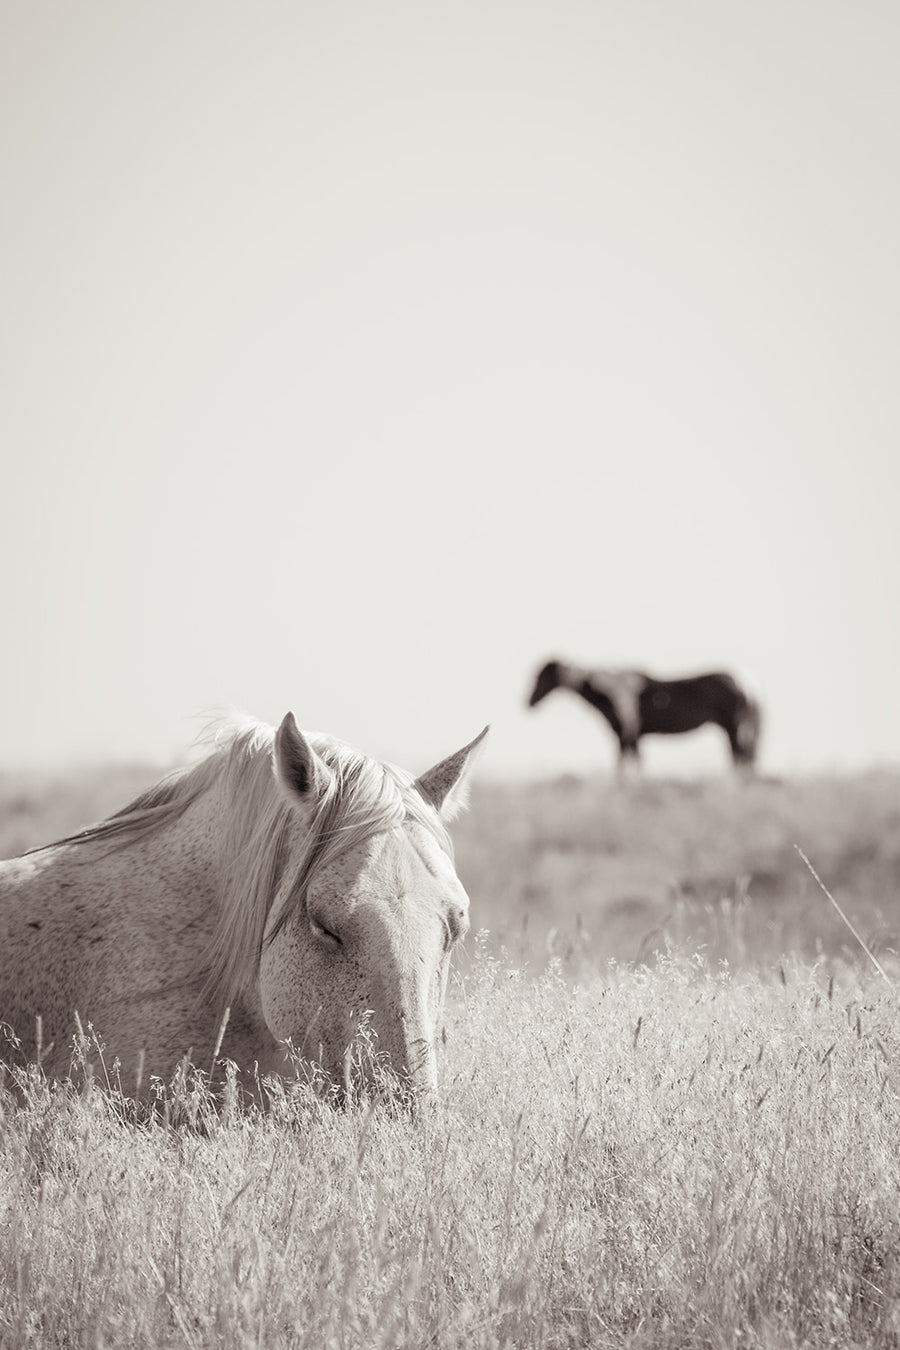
{"x": 636, "y": 704}
{"x": 287, "y": 887}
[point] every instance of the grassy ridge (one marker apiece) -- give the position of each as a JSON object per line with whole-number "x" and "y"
{"x": 589, "y": 871}
{"x": 675, "y": 1151}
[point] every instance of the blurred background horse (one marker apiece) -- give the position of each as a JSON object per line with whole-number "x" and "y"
{"x": 636, "y": 704}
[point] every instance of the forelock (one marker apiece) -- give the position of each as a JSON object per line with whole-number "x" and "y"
{"x": 363, "y": 798}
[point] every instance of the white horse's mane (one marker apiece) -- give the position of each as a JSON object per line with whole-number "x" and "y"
{"x": 363, "y": 797}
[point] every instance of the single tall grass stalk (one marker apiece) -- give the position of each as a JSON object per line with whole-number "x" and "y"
{"x": 875, "y": 962}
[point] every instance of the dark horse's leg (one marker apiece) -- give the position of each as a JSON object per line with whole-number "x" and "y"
{"x": 742, "y": 730}
{"x": 629, "y": 758}
{"x": 737, "y": 754}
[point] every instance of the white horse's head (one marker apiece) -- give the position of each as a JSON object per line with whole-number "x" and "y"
{"x": 368, "y": 908}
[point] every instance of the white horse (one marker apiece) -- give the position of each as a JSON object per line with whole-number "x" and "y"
{"x": 287, "y": 878}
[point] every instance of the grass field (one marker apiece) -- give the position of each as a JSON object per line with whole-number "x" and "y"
{"x": 670, "y": 1108}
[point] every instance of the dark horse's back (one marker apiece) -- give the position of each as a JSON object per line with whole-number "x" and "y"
{"x": 669, "y": 707}
{"x": 672, "y": 706}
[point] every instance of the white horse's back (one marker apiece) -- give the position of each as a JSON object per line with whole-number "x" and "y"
{"x": 92, "y": 931}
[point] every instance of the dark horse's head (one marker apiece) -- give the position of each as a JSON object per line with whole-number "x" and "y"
{"x": 548, "y": 679}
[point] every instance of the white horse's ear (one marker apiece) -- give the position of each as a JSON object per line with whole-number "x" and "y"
{"x": 298, "y": 768}
{"x": 446, "y": 786}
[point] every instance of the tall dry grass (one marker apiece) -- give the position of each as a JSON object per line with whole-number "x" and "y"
{"x": 672, "y": 1156}
{"x": 682, "y": 1150}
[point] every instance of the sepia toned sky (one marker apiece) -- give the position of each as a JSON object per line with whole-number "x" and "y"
{"x": 357, "y": 358}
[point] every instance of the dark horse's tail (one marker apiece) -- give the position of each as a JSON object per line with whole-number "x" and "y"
{"x": 748, "y": 726}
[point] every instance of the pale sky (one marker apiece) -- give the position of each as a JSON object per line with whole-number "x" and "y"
{"x": 357, "y": 358}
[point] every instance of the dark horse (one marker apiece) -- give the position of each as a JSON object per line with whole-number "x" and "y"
{"x": 635, "y": 704}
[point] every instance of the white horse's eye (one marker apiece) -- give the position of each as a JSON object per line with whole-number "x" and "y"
{"x": 325, "y": 933}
